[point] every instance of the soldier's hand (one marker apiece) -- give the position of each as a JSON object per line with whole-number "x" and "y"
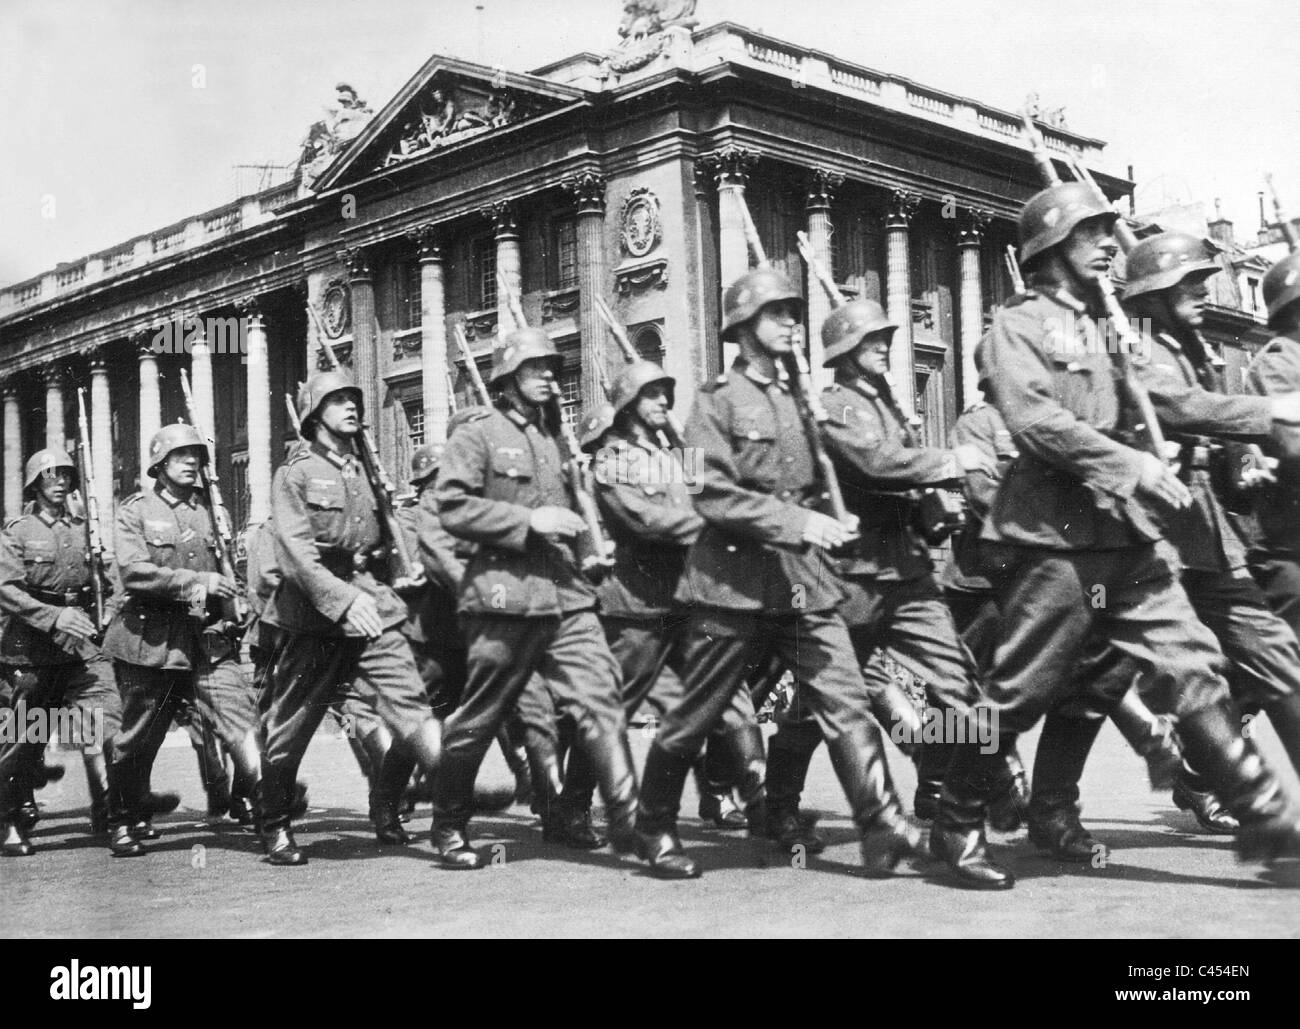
{"x": 1286, "y": 408}
{"x": 825, "y": 532}
{"x": 363, "y": 616}
{"x": 973, "y": 459}
{"x": 75, "y": 622}
{"x": 220, "y": 586}
{"x": 556, "y": 521}
{"x": 1160, "y": 483}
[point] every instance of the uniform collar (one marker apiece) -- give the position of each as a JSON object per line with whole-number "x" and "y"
{"x": 337, "y": 458}
{"x": 171, "y": 499}
{"x": 1059, "y": 293}
{"x": 65, "y": 518}
{"x": 859, "y": 384}
{"x": 1168, "y": 340}
{"x": 519, "y": 418}
{"x": 757, "y": 377}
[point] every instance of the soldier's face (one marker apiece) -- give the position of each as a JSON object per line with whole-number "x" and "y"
{"x": 182, "y": 466}
{"x": 774, "y": 326}
{"x": 54, "y": 485}
{"x": 534, "y": 378}
{"x": 1090, "y": 247}
{"x": 1187, "y": 301}
{"x": 339, "y": 414}
{"x": 872, "y": 355}
{"x": 652, "y": 405}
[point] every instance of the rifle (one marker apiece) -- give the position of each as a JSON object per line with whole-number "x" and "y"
{"x": 293, "y": 415}
{"x": 1013, "y": 269}
{"x": 233, "y": 610}
{"x": 675, "y": 433}
{"x": 94, "y": 536}
{"x": 452, "y": 406}
{"x": 409, "y": 574}
{"x": 471, "y": 366}
{"x": 1288, "y": 228}
{"x": 1123, "y": 234}
{"x": 598, "y": 560}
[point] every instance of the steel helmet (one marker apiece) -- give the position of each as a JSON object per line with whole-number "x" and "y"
{"x": 520, "y": 346}
{"x": 174, "y": 437}
{"x": 593, "y": 424}
{"x": 48, "y": 460}
{"x": 1164, "y": 260}
{"x": 320, "y": 386}
{"x": 636, "y": 377}
{"x": 1049, "y": 216}
{"x": 847, "y": 325}
{"x": 424, "y": 462}
{"x": 1281, "y": 286}
{"x": 746, "y": 296}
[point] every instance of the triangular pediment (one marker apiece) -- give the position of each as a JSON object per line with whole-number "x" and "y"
{"x": 448, "y": 101}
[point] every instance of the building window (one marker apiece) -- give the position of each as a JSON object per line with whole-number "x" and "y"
{"x": 571, "y": 395}
{"x": 408, "y": 295}
{"x": 564, "y": 233}
{"x": 414, "y": 421}
{"x": 1253, "y": 285}
{"x": 485, "y": 272}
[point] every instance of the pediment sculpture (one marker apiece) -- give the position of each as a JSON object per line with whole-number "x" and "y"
{"x": 446, "y": 113}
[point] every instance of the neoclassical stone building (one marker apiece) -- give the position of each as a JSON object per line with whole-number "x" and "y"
{"x": 613, "y": 175}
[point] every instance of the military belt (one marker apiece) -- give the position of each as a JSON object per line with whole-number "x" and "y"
{"x": 347, "y": 563}
{"x": 83, "y": 597}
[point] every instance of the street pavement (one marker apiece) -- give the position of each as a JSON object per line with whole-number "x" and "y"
{"x": 1158, "y": 878}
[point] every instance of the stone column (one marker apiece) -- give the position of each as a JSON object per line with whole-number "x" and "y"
{"x": 505, "y": 221}
{"x": 150, "y": 401}
{"x": 588, "y": 188}
{"x": 259, "y": 412}
{"x": 13, "y": 450}
{"x": 56, "y": 435}
{"x": 824, "y": 184}
{"x": 201, "y": 383}
{"x": 433, "y": 336}
{"x": 101, "y": 441}
{"x": 971, "y": 301}
{"x": 730, "y": 168}
{"x": 898, "y": 292}
{"x": 364, "y": 370}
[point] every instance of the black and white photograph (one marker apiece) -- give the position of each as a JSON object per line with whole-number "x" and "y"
{"x": 677, "y": 469}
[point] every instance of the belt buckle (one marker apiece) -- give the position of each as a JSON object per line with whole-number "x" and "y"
{"x": 71, "y": 597}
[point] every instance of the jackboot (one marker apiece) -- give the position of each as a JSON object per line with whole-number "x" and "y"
{"x": 1054, "y": 825}
{"x": 610, "y": 757}
{"x": 1009, "y": 804}
{"x": 453, "y": 798}
{"x": 1270, "y": 820}
{"x": 932, "y": 761}
{"x": 656, "y": 819}
{"x": 789, "y": 753}
{"x": 386, "y": 794}
{"x": 715, "y": 773}
{"x": 123, "y": 805}
{"x": 858, "y": 757}
{"x": 275, "y": 795}
{"x": 97, "y": 787}
{"x": 1152, "y": 737}
{"x": 958, "y": 834}
{"x": 566, "y": 813}
{"x": 212, "y": 767}
{"x": 516, "y": 756}
{"x": 1193, "y": 795}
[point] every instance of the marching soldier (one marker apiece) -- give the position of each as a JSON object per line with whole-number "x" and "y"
{"x": 49, "y": 657}
{"x": 894, "y": 601}
{"x": 644, "y": 494}
{"x": 1071, "y": 515}
{"x": 759, "y": 584}
{"x": 524, "y": 604}
{"x": 168, "y": 641}
{"x": 335, "y": 614}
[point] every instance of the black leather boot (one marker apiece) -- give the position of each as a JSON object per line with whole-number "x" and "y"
{"x": 566, "y": 813}
{"x": 1230, "y": 764}
{"x": 656, "y": 820}
{"x": 123, "y": 802}
{"x": 453, "y": 798}
{"x": 932, "y": 761}
{"x": 958, "y": 834}
{"x": 610, "y": 757}
{"x": 858, "y": 757}
{"x": 1054, "y": 825}
{"x": 97, "y": 787}
{"x": 516, "y": 756}
{"x": 1152, "y": 737}
{"x": 789, "y": 753}
{"x": 392, "y": 771}
{"x": 1193, "y": 794}
{"x": 275, "y": 801}
{"x": 212, "y": 766}
{"x": 1009, "y": 804}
